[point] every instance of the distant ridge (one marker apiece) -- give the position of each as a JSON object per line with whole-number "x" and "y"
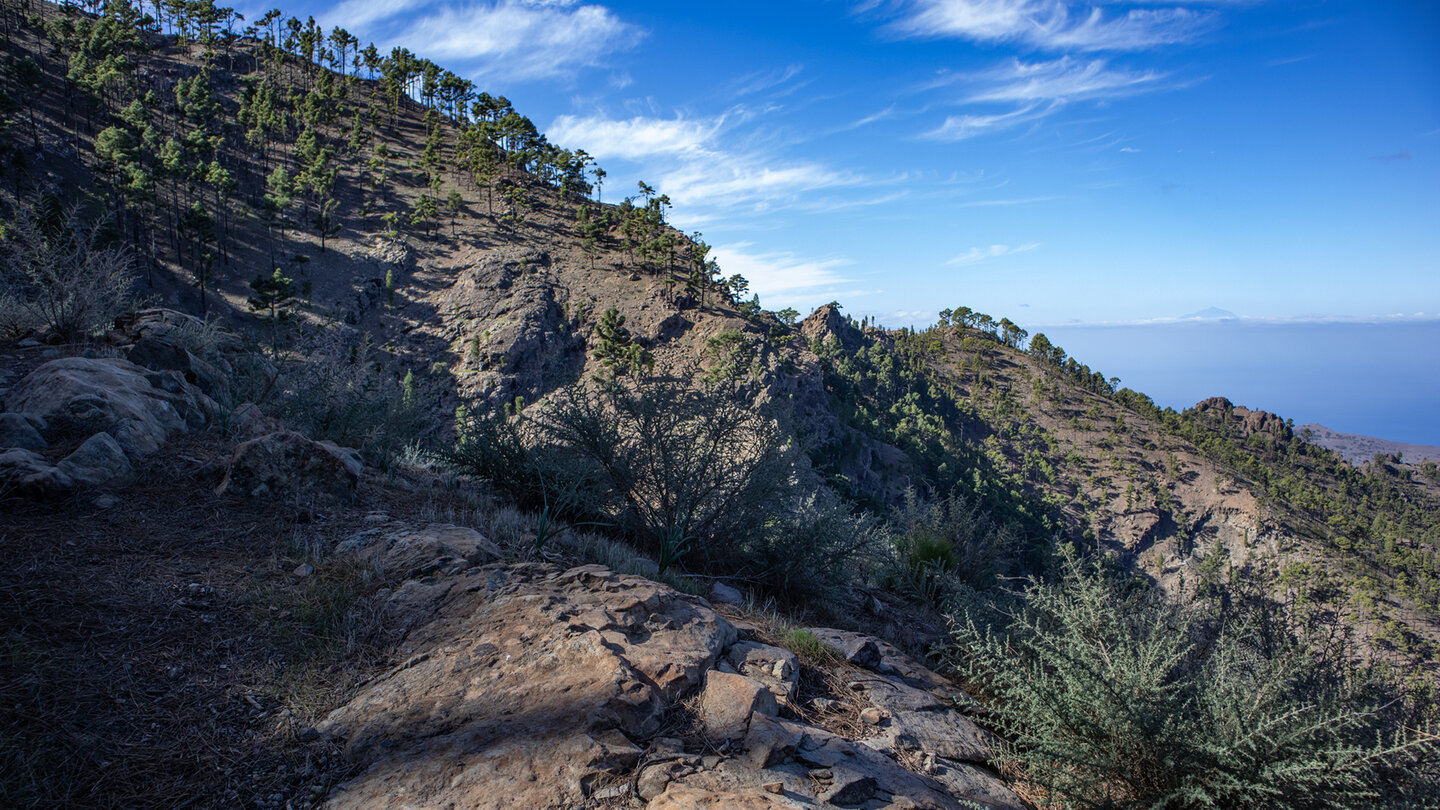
{"x": 1210, "y": 314}
{"x": 1358, "y": 449}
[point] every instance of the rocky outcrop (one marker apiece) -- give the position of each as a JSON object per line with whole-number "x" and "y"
{"x": 25, "y": 473}
{"x": 1241, "y": 421}
{"x": 826, "y": 324}
{"x": 418, "y": 552}
{"x": 83, "y": 396}
{"x": 510, "y": 325}
{"x": 287, "y": 464}
{"x": 99, "y": 462}
{"x": 124, "y": 410}
{"x": 525, "y": 686}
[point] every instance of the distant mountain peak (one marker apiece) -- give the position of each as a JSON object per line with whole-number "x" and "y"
{"x": 1210, "y": 314}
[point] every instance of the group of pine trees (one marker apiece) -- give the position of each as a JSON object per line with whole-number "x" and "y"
{"x": 307, "y": 141}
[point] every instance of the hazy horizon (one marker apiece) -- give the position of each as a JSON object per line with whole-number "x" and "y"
{"x": 1374, "y": 379}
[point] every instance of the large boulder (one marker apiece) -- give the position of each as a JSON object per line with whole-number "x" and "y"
{"x": 792, "y": 764}
{"x": 99, "y": 462}
{"x": 158, "y": 354}
{"x": 523, "y": 689}
{"x": 777, "y": 669}
{"x": 26, "y": 474}
{"x": 140, "y": 408}
{"x": 22, "y": 430}
{"x": 286, "y": 464}
{"x": 729, "y": 700}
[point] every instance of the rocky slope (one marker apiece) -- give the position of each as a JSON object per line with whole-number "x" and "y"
{"x": 527, "y": 685}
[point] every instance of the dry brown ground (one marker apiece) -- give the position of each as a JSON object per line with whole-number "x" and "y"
{"x": 161, "y": 651}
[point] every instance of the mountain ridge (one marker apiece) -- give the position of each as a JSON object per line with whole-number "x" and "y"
{"x": 411, "y": 272}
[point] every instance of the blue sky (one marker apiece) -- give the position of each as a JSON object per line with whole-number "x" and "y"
{"x": 1055, "y": 162}
{"x": 1050, "y": 161}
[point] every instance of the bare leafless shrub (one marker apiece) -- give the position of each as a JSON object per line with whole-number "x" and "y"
{"x": 57, "y": 268}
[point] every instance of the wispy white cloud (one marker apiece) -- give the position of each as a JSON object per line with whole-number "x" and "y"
{"x": 783, "y": 279}
{"x": 1063, "y": 80}
{"x": 761, "y": 81}
{"x": 705, "y": 168}
{"x": 979, "y": 254}
{"x": 741, "y": 181}
{"x": 779, "y": 272}
{"x": 1045, "y": 24}
{"x": 507, "y": 39}
{"x": 1279, "y": 62}
{"x": 633, "y": 138}
{"x": 960, "y": 127}
{"x": 359, "y": 15}
{"x": 868, "y": 120}
{"x": 1032, "y": 91}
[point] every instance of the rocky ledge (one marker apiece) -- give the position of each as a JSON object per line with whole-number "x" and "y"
{"x": 522, "y": 685}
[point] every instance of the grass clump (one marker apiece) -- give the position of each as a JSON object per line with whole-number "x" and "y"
{"x": 812, "y": 651}
{"x": 1113, "y": 697}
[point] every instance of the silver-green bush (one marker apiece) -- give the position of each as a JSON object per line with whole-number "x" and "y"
{"x": 1112, "y": 697}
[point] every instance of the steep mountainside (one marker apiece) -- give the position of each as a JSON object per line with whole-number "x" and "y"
{"x": 432, "y": 228}
{"x": 412, "y": 263}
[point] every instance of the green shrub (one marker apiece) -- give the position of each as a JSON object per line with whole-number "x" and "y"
{"x": 1114, "y": 698}
{"x": 674, "y": 462}
{"x": 811, "y": 550}
{"x": 811, "y": 650}
{"x": 689, "y": 474}
{"x": 942, "y": 544}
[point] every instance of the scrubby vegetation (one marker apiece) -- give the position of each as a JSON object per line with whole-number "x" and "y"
{"x": 1111, "y": 696}
{"x": 685, "y": 471}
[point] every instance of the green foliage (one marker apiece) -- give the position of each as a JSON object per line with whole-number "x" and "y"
{"x": 887, "y": 386}
{"x": 616, "y": 349}
{"x": 275, "y": 297}
{"x": 811, "y": 650}
{"x": 343, "y": 394}
{"x": 1112, "y": 697}
{"x": 731, "y": 356}
{"x": 687, "y": 473}
{"x": 1377, "y": 520}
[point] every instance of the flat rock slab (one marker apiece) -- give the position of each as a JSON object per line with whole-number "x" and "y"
{"x": 412, "y": 551}
{"x": 777, "y": 668}
{"x": 819, "y": 769}
{"x": 729, "y": 700}
{"x": 526, "y": 688}
{"x": 895, "y": 663}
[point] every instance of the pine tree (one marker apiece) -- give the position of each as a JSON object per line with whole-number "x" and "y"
{"x": 617, "y": 350}
{"x": 274, "y": 296}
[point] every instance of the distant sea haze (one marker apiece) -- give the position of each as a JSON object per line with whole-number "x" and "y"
{"x": 1375, "y": 379}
